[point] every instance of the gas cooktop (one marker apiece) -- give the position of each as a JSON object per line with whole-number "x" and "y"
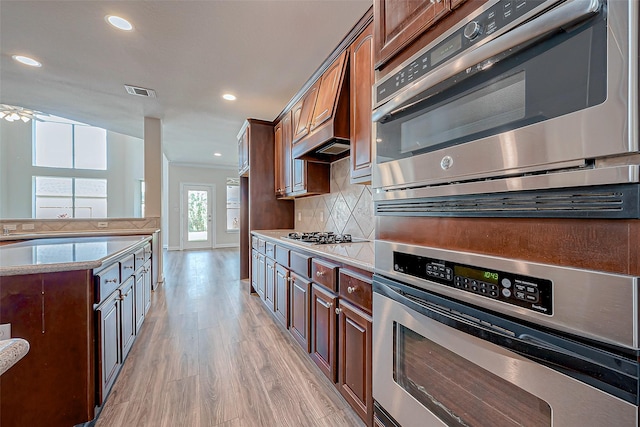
{"x": 322, "y": 238}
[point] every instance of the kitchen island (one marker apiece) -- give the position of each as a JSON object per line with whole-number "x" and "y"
{"x": 51, "y": 290}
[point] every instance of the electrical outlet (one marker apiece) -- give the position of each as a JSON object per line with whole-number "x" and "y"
{"x": 5, "y": 331}
{"x": 299, "y": 216}
{"x": 103, "y": 224}
{"x": 28, "y": 226}
{"x": 321, "y": 216}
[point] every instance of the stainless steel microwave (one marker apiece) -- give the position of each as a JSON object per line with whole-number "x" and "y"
{"x": 524, "y": 108}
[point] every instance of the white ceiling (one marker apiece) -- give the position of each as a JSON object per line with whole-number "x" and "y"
{"x": 189, "y": 52}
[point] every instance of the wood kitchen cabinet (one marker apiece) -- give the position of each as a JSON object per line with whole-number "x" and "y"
{"x": 128, "y": 315}
{"x": 323, "y": 330}
{"x": 270, "y": 284}
{"x": 300, "y": 300}
{"x": 362, "y": 79}
{"x": 110, "y": 360}
{"x": 355, "y": 330}
{"x": 398, "y": 23}
{"x": 302, "y": 113}
{"x": 281, "y": 307}
{"x": 327, "y": 99}
{"x": 243, "y": 153}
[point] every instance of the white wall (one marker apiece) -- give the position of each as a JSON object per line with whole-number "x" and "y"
{"x": 180, "y": 173}
{"x": 125, "y": 169}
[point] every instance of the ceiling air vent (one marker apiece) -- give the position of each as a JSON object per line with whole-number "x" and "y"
{"x": 140, "y": 91}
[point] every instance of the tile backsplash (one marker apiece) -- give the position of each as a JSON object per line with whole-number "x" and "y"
{"x": 347, "y": 209}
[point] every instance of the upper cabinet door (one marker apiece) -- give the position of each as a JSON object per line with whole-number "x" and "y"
{"x": 287, "y": 160}
{"x": 302, "y": 112}
{"x": 279, "y": 158}
{"x": 397, "y": 23}
{"x": 328, "y": 92}
{"x": 361, "y": 82}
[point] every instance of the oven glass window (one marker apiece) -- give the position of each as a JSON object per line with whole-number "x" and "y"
{"x": 459, "y": 392}
{"x": 561, "y": 74}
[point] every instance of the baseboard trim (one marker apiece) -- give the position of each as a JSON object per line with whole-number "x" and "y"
{"x": 227, "y": 245}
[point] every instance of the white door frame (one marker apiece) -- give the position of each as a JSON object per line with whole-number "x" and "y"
{"x": 211, "y": 208}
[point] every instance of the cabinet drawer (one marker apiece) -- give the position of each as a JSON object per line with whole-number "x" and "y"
{"x": 127, "y": 266}
{"x": 356, "y": 288}
{"x": 254, "y": 243}
{"x": 325, "y": 273}
{"x": 282, "y": 256}
{"x": 139, "y": 258}
{"x": 107, "y": 281}
{"x": 301, "y": 264}
{"x": 261, "y": 246}
{"x": 270, "y": 250}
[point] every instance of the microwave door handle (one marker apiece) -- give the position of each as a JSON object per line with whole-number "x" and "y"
{"x": 507, "y": 44}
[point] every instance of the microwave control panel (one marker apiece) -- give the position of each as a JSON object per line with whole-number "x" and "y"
{"x": 524, "y": 291}
{"x": 501, "y": 15}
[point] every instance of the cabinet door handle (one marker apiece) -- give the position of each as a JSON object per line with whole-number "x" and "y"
{"x": 338, "y": 310}
{"x": 111, "y": 281}
{"x": 351, "y": 289}
{"x": 128, "y": 266}
{"x": 319, "y": 273}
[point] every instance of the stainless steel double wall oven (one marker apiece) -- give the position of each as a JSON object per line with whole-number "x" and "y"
{"x": 523, "y": 109}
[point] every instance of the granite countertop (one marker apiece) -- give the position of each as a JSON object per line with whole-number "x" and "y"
{"x": 64, "y": 253}
{"x": 358, "y": 254}
{"x": 11, "y": 351}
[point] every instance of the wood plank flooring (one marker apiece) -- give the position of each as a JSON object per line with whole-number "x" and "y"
{"x": 209, "y": 354}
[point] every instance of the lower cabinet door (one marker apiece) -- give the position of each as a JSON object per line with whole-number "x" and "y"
{"x": 282, "y": 295}
{"x": 128, "y": 315}
{"x": 110, "y": 360}
{"x": 354, "y": 360}
{"x": 148, "y": 286}
{"x": 300, "y": 296}
{"x": 139, "y": 298}
{"x": 261, "y": 279}
{"x": 270, "y": 284}
{"x": 323, "y": 330}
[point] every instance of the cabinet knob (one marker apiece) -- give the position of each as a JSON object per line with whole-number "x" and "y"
{"x": 351, "y": 289}
{"x": 338, "y": 310}
{"x": 319, "y": 273}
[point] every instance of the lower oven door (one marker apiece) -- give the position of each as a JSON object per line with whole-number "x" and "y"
{"x": 440, "y": 363}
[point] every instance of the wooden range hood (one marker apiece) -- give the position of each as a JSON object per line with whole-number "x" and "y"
{"x": 320, "y": 118}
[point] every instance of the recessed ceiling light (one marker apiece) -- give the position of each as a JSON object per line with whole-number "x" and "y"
{"x": 229, "y": 97}
{"x": 217, "y": 154}
{"x": 119, "y": 23}
{"x": 27, "y": 61}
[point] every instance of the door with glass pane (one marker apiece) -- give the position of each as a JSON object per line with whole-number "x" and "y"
{"x": 197, "y": 216}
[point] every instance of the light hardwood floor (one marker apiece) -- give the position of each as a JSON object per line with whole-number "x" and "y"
{"x": 209, "y": 354}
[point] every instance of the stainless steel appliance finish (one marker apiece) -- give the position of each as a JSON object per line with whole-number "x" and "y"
{"x": 596, "y": 305}
{"x": 470, "y": 123}
{"x": 471, "y": 345}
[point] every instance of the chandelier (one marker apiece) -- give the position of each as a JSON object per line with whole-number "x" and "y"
{"x": 11, "y": 113}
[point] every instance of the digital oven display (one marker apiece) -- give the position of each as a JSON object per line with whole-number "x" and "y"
{"x": 446, "y": 50}
{"x": 472, "y": 273}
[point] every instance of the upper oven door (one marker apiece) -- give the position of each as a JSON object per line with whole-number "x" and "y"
{"x": 541, "y": 85}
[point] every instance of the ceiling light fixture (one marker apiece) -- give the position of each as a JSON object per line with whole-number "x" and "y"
{"x": 27, "y": 61}
{"x": 229, "y": 97}
{"x": 11, "y": 113}
{"x": 217, "y": 154}
{"x": 119, "y": 23}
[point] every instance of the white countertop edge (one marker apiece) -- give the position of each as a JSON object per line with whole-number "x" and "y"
{"x": 94, "y": 233}
{"x": 71, "y": 266}
{"x": 321, "y": 250}
{"x": 11, "y": 351}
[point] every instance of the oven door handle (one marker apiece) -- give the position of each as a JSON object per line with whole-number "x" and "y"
{"x": 507, "y": 44}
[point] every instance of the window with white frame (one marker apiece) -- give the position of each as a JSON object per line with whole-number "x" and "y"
{"x": 58, "y": 197}
{"x": 65, "y": 144}
{"x": 233, "y": 204}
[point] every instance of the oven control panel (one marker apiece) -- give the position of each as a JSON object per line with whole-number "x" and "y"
{"x": 524, "y": 291}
